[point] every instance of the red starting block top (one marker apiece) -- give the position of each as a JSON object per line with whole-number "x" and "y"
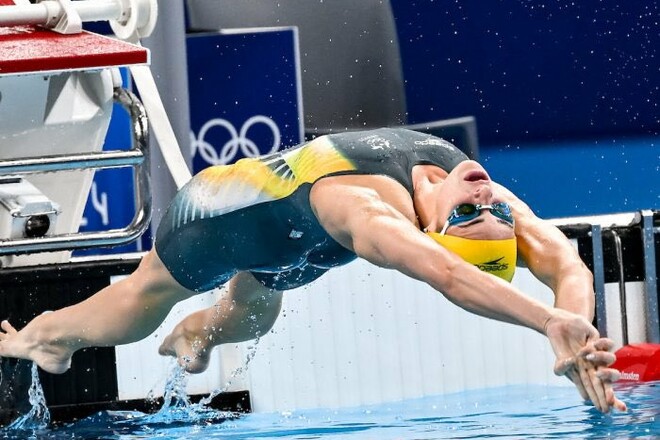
{"x": 28, "y": 49}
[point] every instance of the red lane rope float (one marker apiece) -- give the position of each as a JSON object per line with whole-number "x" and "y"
{"x": 638, "y": 362}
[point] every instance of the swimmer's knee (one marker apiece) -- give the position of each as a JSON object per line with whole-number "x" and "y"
{"x": 245, "y": 288}
{"x": 152, "y": 276}
{"x": 151, "y": 265}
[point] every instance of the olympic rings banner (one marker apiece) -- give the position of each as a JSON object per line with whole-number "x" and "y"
{"x": 245, "y": 101}
{"x": 244, "y": 91}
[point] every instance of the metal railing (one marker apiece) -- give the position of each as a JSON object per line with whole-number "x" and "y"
{"x": 589, "y": 228}
{"x": 137, "y": 158}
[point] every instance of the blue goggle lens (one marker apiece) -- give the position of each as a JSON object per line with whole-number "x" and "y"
{"x": 468, "y": 211}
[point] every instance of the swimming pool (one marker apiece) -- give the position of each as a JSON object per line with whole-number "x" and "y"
{"x": 512, "y": 412}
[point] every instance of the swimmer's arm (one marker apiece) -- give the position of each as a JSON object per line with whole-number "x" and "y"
{"x": 552, "y": 259}
{"x": 389, "y": 237}
{"x": 377, "y": 232}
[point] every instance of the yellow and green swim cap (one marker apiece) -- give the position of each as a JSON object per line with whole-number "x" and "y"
{"x": 497, "y": 257}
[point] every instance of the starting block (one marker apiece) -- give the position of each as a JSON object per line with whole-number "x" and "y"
{"x": 58, "y": 84}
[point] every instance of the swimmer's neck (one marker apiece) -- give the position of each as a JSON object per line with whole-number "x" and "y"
{"x": 426, "y": 179}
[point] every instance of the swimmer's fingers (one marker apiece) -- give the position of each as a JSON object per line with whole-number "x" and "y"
{"x": 616, "y": 403}
{"x": 599, "y": 358}
{"x": 574, "y": 377}
{"x": 566, "y": 367}
{"x": 590, "y": 359}
{"x": 598, "y": 385}
{"x": 7, "y": 330}
{"x": 583, "y": 375}
{"x": 594, "y": 386}
{"x": 596, "y": 345}
{"x": 604, "y": 344}
{"x": 599, "y": 352}
{"x": 563, "y": 366}
{"x": 609, "y": 375}
{"x": 602, "y": 358}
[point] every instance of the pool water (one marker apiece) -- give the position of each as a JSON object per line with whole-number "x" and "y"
{"x": 514, "y": 412}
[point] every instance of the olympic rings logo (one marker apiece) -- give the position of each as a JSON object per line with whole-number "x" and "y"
{"x": 238, "y": 140}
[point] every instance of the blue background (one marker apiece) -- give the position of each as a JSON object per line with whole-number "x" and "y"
{"x": 238, "y": 76}
{"x": 531, "y": 70}
{"x": 565, "y": 94}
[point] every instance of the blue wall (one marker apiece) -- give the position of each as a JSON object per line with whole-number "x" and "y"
{"x": 574, "y": 178}
{"x": 564, "y": 93}
{"x": 533, "y": 69}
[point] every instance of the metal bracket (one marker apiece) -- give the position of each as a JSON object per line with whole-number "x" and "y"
{"x": 650, "y": 278}
{"x": 623, "y": 296}
{"x": 62, "y": 17}
{"x": 599, "y": 279}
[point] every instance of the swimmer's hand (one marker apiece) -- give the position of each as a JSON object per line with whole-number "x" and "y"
{"x": 591, "y": 363}
{"x": 584, "y": 357}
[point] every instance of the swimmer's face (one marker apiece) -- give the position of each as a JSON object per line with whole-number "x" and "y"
{"x": 470, "y": 183}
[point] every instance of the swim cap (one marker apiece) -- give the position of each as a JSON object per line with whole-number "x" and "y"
{"x": 497, "y": 257}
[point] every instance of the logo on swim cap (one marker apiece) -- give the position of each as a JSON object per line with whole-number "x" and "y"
{"x": 496, "y": 257}
{"x": 493, "y": 266}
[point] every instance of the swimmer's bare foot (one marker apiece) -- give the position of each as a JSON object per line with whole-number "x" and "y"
{"x": 189, "y": 348}
{"x": 26, "y": 344}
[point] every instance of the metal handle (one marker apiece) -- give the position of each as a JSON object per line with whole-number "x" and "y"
{"x": 599, "y": 279}
{"x": 618, "y": 249}
{"x": 650, "y": 278}
{"x": 137, "y": 157}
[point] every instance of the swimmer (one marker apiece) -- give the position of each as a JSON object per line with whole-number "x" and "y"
{"x": 400, "y": 199}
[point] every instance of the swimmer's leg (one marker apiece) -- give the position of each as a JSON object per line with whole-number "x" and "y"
{"x": 123, "y": 312}
{"x": 249, "y": 309}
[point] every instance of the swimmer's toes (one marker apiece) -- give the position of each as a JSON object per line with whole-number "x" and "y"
{"x": 196, "y": 365}
{"x": 165, "y": 350}
{"x": 7, "y": 327}
{"x": 167, "y": 347}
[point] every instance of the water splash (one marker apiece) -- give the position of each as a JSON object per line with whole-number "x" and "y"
{"x": 38, "y": 417}
{"x": 176, "y": 405}
{"x": 177, "y": 408}
{"x": 252, "y": 351}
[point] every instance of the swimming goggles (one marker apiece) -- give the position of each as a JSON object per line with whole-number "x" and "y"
{"x": 468, "y": 211}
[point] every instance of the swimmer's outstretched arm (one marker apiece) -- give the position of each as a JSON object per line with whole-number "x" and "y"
{"x": 123, "y": 312}
{"x": 555, "y": 262}
{"x": 377, "y": 232}
{"x": 552, "y": 259}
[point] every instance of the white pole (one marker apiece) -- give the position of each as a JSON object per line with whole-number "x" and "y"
{"x": 98, "y": 10}
{"x": 160, "y": 125}
{"x": 42, "y": 13}
{"x": 20, "y": 15}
